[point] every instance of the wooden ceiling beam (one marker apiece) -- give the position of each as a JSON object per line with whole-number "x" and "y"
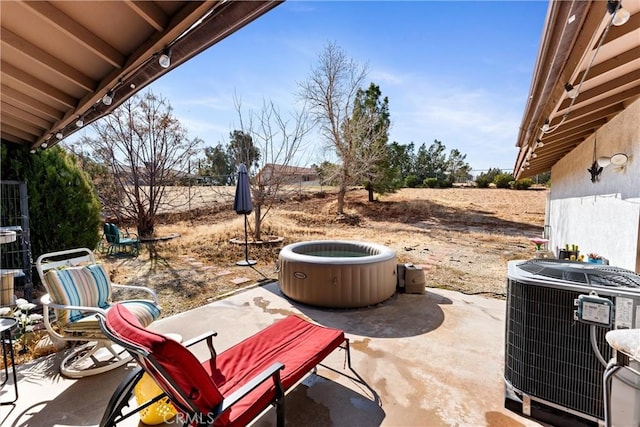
{"x": 25, "y": 115}
{"x": 607, "y": 112}
{"x": 10, "y": 137}
{"x": 19, "y": 133}
{"x": 151, "y": 13}
{"x": 76, "y": 31}
{"x": 632, "y": 79}
{"x": 29, "y": 103}
{"x": 52, "y": 63}
{"x": 37, "y": 84}
{"x": 610, "y": 64}
{"x": 609, "y": 101}
{"x": 18, "y": 123}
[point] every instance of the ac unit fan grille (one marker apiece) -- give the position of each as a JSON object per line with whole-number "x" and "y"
{"x": 604, "y": 276}
{"x": 548, "y": 354}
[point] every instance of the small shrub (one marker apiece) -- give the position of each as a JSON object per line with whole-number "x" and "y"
{"x": 503, "y": 180}
{"x": 523, "y": 184}
{"x": 445, "y": 183}
{"x": 483, "y": 181}
{"x": 430, "y": 183}
{"x": 411, "y": 181}
{"x": 487, "y": 178}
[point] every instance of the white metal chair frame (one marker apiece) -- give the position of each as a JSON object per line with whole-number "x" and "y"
{"x": 96, "y": 349}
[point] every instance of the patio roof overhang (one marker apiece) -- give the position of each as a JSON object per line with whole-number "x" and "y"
{"x": 60, "y": 58}
{"x": 579, "y": 47}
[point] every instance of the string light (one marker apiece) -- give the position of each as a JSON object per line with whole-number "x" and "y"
{"x": 107, "y": 99}
{"x": 545, "y": 126}
{"x": 165, "y": 58}
{"x": 620, "y": 16}
{"x": 572, "y": 92}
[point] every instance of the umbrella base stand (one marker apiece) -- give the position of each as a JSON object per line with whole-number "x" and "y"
{"x": 251, "y": 263}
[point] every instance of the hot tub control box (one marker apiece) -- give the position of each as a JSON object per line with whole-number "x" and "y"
{"x": 411, "y": 279}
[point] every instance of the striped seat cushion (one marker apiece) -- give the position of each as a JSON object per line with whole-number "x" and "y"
{"x": 77, "y": 286}
{"x": 89, "y": 286}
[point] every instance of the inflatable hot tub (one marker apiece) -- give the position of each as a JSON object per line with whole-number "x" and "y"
{"x": 337, "y": 273}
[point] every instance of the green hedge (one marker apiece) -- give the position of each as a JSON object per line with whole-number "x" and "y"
{"x": 64, "y": 212}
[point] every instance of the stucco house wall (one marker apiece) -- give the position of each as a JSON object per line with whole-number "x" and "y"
{"x": 601, "y": 217}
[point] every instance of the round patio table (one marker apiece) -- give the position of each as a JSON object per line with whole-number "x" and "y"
{"x": 7, "y": 326}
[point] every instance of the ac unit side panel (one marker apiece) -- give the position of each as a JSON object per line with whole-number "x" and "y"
{"x": 548, "y": 355}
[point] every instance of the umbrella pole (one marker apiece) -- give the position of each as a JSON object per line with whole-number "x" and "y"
{"x": 246, "y": 262}
{"x": 246, "y": 241}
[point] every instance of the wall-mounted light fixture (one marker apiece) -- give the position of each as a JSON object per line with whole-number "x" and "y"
{"x": 618, "y": 159}
{"x": 79, "y": 122}
{"x": 59, "y": 135}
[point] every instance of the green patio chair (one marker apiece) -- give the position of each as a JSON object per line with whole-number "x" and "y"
{"x": 119, "y": 242}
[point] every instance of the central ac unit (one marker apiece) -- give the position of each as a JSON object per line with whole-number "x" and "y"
{"x": 552, "y": 371}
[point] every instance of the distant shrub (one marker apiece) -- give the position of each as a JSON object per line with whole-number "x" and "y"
{"x": 430, "y": 183}
{"x": 523, "y": 184}
{"x": 437, "y": 183}
{"x": 445, "y": 183}
{"x": 411, "y": 181}
{"x": 487, "y": 178}
{"x": 503, "y": 180}
{"x": 483, "y": 181}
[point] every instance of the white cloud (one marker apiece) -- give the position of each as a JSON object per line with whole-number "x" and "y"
{"x": 477, "y": 122}
{"x": 381, "y": 77}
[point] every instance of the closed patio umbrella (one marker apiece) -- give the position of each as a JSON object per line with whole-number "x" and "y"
{"x": 243, "y": 206}
{"x": 242, "y": 202}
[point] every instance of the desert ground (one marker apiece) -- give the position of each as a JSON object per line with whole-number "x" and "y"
{"x": 463, "y": 238}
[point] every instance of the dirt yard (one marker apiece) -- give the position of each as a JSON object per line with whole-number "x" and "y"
{"x": 463, "y": 238}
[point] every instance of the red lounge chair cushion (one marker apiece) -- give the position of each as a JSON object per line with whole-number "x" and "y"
{"x": 294, "y": 342}
{"x": 179, "y": 363}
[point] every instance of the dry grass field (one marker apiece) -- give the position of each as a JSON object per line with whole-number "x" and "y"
{"x": 463, "y": 237}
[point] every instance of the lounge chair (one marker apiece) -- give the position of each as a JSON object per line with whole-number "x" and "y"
{"x": 77, "y": 289}
{"x": 229, "y": 389}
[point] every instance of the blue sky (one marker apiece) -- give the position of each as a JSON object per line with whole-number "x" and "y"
{"x": 455, "y": 71}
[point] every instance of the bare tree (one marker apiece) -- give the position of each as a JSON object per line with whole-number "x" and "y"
{"x": 279, "y": 139}
{"x": 330, "y": 92}
{"x": 146, "y": 149}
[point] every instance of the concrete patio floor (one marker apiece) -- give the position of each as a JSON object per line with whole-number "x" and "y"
{"x": 426, "y": 360}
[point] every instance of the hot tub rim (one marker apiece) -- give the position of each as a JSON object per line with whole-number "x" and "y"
{"x": 384, "y": 253}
